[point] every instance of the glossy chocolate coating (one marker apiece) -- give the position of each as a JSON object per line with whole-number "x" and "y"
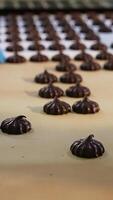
{"x": 10, "y": 31}
{"x": 86, "y": 106}
{"x": 79, "y": 22}
{"x": 98, "y": 46}
{"x": 45, "y": 77}
{"x": 51, "y": 91}
{"x": 15, "y": 59}
{"x": 83, "y": 57}
{"x": 70, "y": 77}
{"x": 48, "y": 29}
{"x": 56, "y": 46}
{"x": 65, "y": 66}
{"x": 59, "y": 57}
{"x": 16, "y": 125}
{"x": 78, "y": 91}
{"x": 77, "y": 46}
{"x": 97, "y": 22}
{"x": 52, "y": 37}
{"x": 34, "y": 47}
{"x": 13, "y": 38}
{"x": 57, "y": 107}
{"x": 90, "y": 66}
{"x": 62, "y": 22}
{"x": 31, "y": 31}
{"x": 90, "y": 36}
{"x": 104, "y": 29}
{"x": 108, "y": 65}
{"x": 13, "y": 47}
{"x": 103, "y": 55}
{"x": 85, "y": 29}
{"x": 87, "y": 148}
{"x": 39, "y": 58}
{"x": 72, "y": 37}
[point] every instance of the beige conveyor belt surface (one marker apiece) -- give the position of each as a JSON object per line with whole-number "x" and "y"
{"x": 38, "y": 165}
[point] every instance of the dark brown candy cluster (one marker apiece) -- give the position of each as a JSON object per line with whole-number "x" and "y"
{"x": 13, "y": 37}
{"x": 52, "y": 35}
{"x": 86, "y": 106}
{"x": 57, "y": 107}
{"x": 45, "y": 77}
{"x": 16, "y": 125}
{"x": 51, "y": 91}
{"x": 87, "y": 148}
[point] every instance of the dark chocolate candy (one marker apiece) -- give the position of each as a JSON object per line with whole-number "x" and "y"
{"x": 108, "y": 15}
{"x": 13, "y": 39}
{"x": 91, "y": 15}
{"x": 97, "y": 22}
{"x": 86, "y": 106}
{"x": 62, "y": 23}
{"x": 59, "y": 57}
{"x": 51, "y": 91}
{"x": 109, "y": 65}
{"x": 70, "y": 77}
{"x": 87, "y": 148}
{"x": 10, "y": 31}
{"x": 39, "y": 58}
{"x": 16, "y": 125}
{"x": 65, "y": 66}
{"x": 56, "y": 46}
{"x": 90, "y": 36}
{"x": 78, "y": 91}
{"x": 98, "y": 46}
{"x": 77, "y": 46}
{"x": 16, "y": 59}
{"x": 33, "y": 38}
{"x": 52, "y": 37}
{"x": 72, "y": 37}
{"x": 57, "y": 107}
{"x": 104, "y": 29}
{"x": 31, "y": 31}
{"x": 79, "y": 22}
{"x": 104, "y": 55}
{"x": 68, "y": 30}
{"x": 34, "y": 47}
{"x": 83, "y": 57}
{"x": 48, "y": 29}
{"x": 45, "y": 77}
{"x": 90, "y": 66}
{"x": 85, "y": 29}
{"x": 13, "y": 47}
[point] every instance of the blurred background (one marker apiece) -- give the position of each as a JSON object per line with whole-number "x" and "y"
{"x": 53, "y": 4}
